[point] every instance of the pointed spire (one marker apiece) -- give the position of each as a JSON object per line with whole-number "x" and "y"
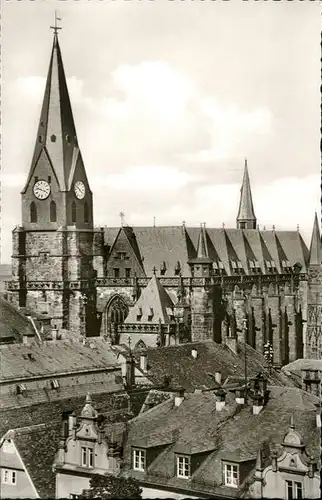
{"x": 56, "y": 131}
{"x": 202, "y": 250}
{"x": 315, "y": 258}
{"x": 246, "y": 216}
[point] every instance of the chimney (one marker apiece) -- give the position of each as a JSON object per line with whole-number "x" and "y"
{"x": 318, "y": 415}
{"x": 54, "y": 333}
{"x": 129, "y": 371}
{"x": 258, "y": 404}
{"x": 194, "y": 353}
{"x": 240, "y": 396}
{"x": 144, "y": 362}
{"x": 232, "y": 343}
{"x": 220, "y": 399}
{"x": 218, "y": 378}
{"x": 179, "y": 397}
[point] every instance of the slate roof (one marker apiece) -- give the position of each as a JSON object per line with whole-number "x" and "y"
{"x": 177, "y": 362}
{"x": 37, "y": 446}
{"x": 303, "y": 364}
{"x": 53, "y": 358}
{"x": 170, "y": 244}
{"x": 155, "y": 301}
{"x": 234, "y": 434}
{"x": 13, "y": 323}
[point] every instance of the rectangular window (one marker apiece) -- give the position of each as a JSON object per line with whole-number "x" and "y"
{"x": 231, "y": 475}
{"x": 127, "y": 272}
{"x": 138, "y": 459}
{"x": 87, "y": 457}
{"x": 294, "y": 490}
{"x": 116, "y": 272}
{"x": 183, "y": 466}
{"x": 9, "y": 476}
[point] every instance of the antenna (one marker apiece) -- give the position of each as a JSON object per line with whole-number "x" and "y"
{"x": 56, "y": 27}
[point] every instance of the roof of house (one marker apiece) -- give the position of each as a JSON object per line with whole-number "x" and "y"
{"x": 25, "y": 361}
{"x": 37, "y": 446}
{"x": 191, "y": 373}
{"x": 154, "y": 301}
{"x": 13, "y": 324}
{"x": 172, "y": 244}
{"x": 233, "y": 434}
{"x": 303, "y": 364}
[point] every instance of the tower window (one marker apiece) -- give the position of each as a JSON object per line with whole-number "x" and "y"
{"x": 68, "y": 138}
{"x": 53, "y": 214}
{"x": 53, "y": 138}
{"x": 86, "y": 213}
{"x": 33, "y": 212}
{"x": 40, "y": 138}
{"x": 73, "y": 213}
{"x": 49, "y": 179}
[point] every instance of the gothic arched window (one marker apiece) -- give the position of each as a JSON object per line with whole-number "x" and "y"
{"x": 33, "y": 212}
{"x": 86, "y": 213}
{"x": 73, "y": 212}
{"x": 52, "y": 210}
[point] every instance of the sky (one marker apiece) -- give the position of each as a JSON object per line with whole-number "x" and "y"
{"x": 169, "y": 98}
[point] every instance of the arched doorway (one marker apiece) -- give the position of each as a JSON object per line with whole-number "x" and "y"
{"x": 114, "y": 313}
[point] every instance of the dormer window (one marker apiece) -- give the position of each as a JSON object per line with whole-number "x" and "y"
{"x": 286, "y": 264}
{"x": 183, "y": 466}
{"x": 139, "y": 314}
{"x": 151, "y": 314}
{"x": 21, "y": 389}
{"x": 54, "y": 384}
{"x": 87, "y": 459}
{"x": 139, "y": 459}
{"x": 231, "y": 475}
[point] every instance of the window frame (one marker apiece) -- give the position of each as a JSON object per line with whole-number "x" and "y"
{"x": 9, "y": 476}
{"x": 87, "y": 457}
{"x": 116, "y": 272}
{"x": 183, "y": 469}
{"x": 139, "y": 457}
{"x": 293, "y": 487}
{"x": 231, "y": 465}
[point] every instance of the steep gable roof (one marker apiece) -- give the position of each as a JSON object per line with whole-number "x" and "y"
{"x": 153, "y": 301}
{"x": 12, "y": 322}
{"x": 37, "y": 446}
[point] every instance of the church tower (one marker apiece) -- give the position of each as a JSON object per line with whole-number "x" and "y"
{"x": 314, "y": 315}
{"x": 246, "y": 216}
{"x": 53, "y": 249}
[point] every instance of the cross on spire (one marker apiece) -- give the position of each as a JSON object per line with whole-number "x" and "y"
{"x": 154, "y": 270}
{"x": 56, "y": 28}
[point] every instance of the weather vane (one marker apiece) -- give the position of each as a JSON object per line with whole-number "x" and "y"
{"x": 56, "y": 28}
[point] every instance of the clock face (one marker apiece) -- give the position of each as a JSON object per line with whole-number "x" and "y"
{"x": 41, "y": 190}
{"x": 79, "y": 189}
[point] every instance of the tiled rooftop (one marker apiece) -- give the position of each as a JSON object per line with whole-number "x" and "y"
{"x": 196, "y": 427}
{"x": 192, "y": 373}
{"x": 170, "y": 244}
{"x": 12, "y": 322}
{"x": 25, "y": 361}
